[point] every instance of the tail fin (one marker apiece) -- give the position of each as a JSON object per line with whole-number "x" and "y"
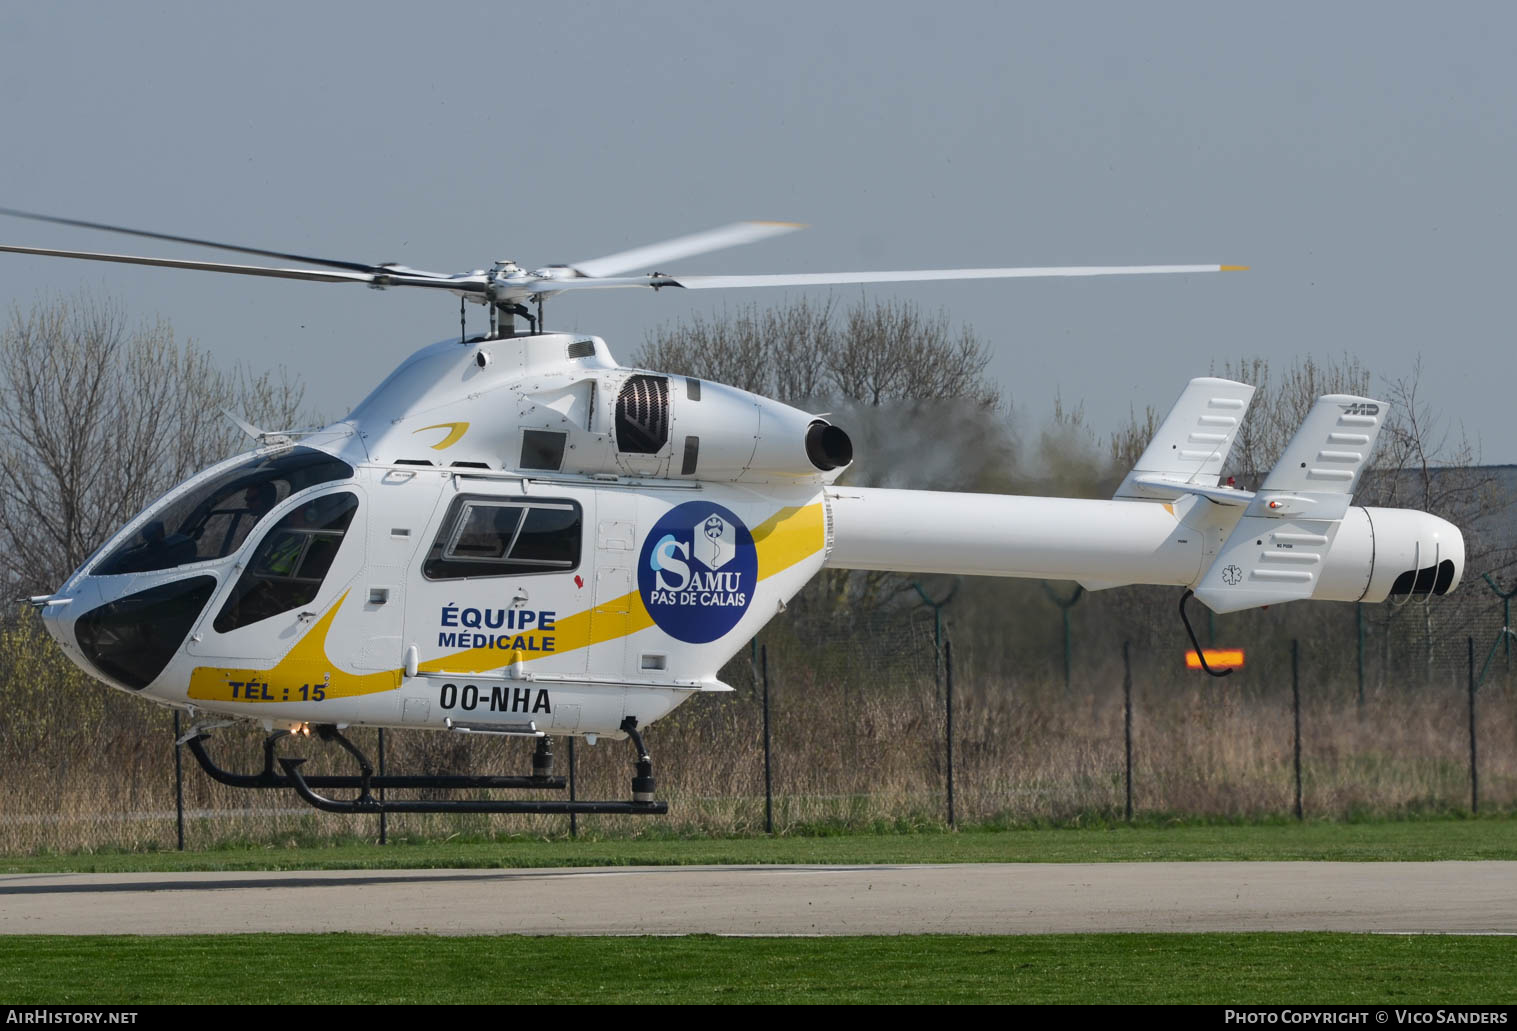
{"x": 1275, "y": 553}
{"x": 1188, "y": 450}
{"x": 1332, "y": 447}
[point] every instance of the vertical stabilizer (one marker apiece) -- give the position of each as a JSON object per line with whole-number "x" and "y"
{"x": 1332, "y": 447}
{"x": 1276, "y": 552}
{"x": 1191, "y": 445}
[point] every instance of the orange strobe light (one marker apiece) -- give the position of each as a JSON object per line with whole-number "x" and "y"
{"x": 1216, "y": 658}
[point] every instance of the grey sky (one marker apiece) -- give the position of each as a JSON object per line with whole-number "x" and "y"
{"x": 1360, "y": 157}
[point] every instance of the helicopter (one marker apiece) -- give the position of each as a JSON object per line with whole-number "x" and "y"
{"x": 513, "y": 534}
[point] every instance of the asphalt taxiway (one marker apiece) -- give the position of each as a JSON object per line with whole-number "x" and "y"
{"x": 1007, "y": 898}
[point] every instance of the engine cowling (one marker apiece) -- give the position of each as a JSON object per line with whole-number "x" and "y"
{"x": 718, "y": 432}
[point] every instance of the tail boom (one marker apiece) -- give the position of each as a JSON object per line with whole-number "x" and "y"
{"x": 1373, "y": 554}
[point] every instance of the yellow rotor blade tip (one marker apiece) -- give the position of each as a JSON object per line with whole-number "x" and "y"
{"x": 1234, "y": 268}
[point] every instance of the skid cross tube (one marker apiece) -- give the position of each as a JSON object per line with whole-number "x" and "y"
{"x": 369, "y": 804}
{"x": 366, "y": 803}
{"x": 367, "y": 782}
{"x": 267, "y": 778}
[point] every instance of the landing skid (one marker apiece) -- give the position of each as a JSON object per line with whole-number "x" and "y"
{"x": 267, "y": 778}
{"x": 367, "y": 782}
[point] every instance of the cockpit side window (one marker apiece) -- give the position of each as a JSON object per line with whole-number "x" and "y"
{"x": 290, "y": 563}
{"x": 214, "y": 519}
{"x": 494, "y": 537}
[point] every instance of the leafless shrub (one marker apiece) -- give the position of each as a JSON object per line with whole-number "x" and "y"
{"x": 97, "y": 418}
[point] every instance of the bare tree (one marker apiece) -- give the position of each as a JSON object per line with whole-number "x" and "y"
{"x": 893, "y": 351}
{"x": 1420, "y": 462}
{"x": 98, "y": 418}
{"x": 908, "y": 387}
{"x": 779, "y": 352}
{"x": 1128, "y": 443}
{"x": 1281, "y": 404}
{"x": 797, "y": 353}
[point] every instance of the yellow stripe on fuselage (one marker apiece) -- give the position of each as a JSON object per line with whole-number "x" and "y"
{"x": 570, "y": 633}
{"x": 789, "y": 536}
{"x": 306, "y": 673}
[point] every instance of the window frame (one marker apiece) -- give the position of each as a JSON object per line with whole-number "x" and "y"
{"x": 442, "y": 550}
{"x": 204, "y": 497}
{"x": 250, "y": 571}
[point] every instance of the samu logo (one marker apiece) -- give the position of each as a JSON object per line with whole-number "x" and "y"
{"x": 697, "y": 572}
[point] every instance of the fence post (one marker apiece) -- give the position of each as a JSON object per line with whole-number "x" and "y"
{"x": 1296, "y": 711}
{"x": 948, "y": 675}
{"x": 384, "y": 824}
{"x": 1064, "y": 607}
{"x": 178, "y": 784}
{"x": 768, "y": 771}
{"x": 1359, "y": 623}
{"x": 1474, "y": 771}
{"x": 573, "y": 817}
{"x": 1127, "y": 723}
{"x": 1506, "y": 619}
{"x": 1504, "y": 635}
{"x": 937, "y": 627}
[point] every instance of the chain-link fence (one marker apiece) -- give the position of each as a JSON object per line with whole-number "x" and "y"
{"x": 858, "y": 732}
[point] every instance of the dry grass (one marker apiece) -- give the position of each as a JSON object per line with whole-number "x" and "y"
{"x": 858, "y": 742}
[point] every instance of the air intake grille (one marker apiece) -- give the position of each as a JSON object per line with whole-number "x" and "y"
{"x": 642, "y": 415}
{"x": 582, "y": 349}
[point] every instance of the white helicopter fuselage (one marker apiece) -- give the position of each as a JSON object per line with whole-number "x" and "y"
{"x": 518, "y": 536}
{"x": 462, "y": 590}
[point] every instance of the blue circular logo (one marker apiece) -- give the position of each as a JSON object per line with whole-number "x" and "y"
{"x": 697, "y": 571}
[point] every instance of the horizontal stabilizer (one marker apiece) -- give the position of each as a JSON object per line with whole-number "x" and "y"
{"x": 1191, "y": 445}
{"x": 1159, "y": 489}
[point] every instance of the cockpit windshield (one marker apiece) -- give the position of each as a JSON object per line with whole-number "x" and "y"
{"x": 212, "y": 520}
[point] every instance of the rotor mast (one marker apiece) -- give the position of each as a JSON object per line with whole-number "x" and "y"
{"x": 504, "y": 270}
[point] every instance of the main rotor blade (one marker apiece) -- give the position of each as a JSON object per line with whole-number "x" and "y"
{"x": 843, "y": 278}
{"x": 352, "y": 266}
{"x": 839, "y": 278}
{"x": 381, "y": 277}
{"x": 683, "y": 247}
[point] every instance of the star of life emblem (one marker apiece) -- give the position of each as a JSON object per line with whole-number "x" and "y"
{"x": 715, "y": 542}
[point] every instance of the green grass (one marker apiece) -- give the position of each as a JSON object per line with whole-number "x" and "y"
{"x": 1421, "y": 839}
{"x": 1123, "y": 968}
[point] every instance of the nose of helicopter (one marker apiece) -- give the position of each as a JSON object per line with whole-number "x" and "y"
{"x": 128, "y": 638}
{"x": 58, "y": 612}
